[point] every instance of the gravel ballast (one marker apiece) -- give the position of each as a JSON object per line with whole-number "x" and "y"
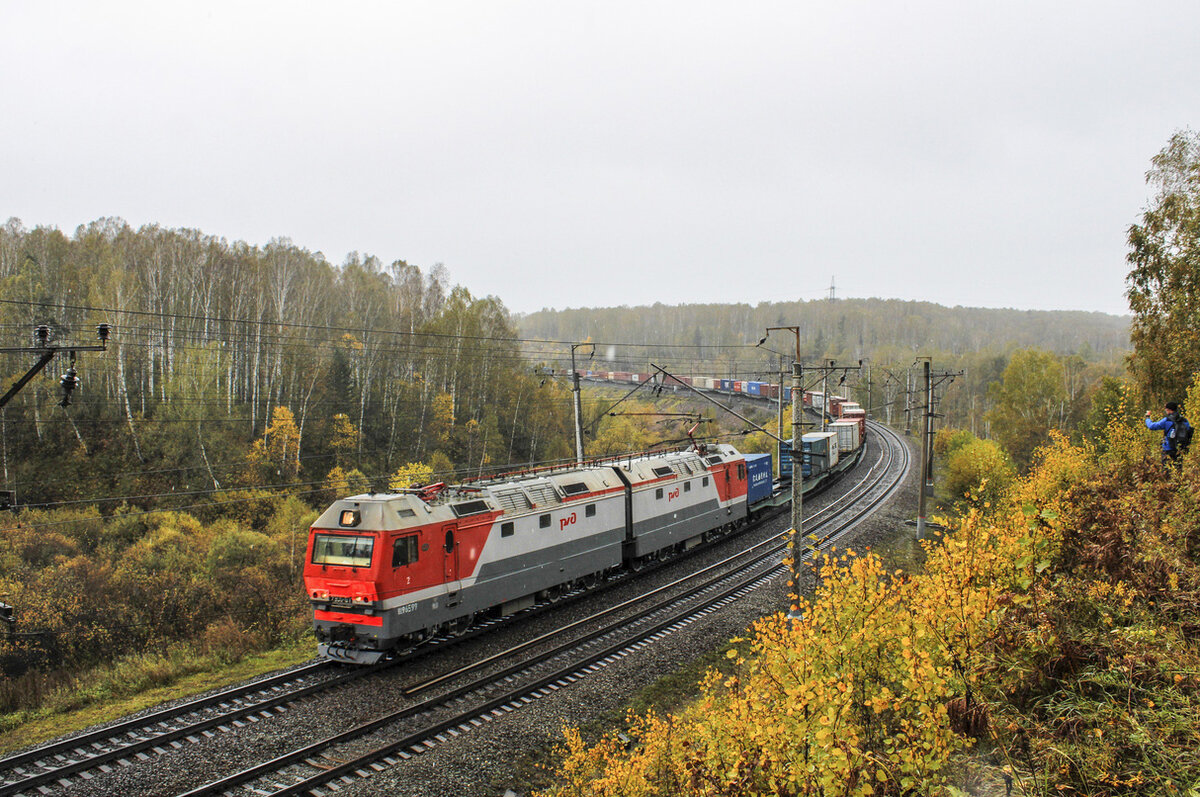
{"x": 480, "y": 763}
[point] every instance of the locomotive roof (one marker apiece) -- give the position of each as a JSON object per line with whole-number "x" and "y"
{"x": 514, "y": 493}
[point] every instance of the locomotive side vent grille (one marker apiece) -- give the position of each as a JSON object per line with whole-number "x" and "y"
{"x": 514, "y": 501}
{"x": 663, "y": 471}
{"x": 543, "y": 495}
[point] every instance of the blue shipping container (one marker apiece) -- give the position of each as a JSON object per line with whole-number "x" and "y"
{"x": 754, "y": 388}
{"x": 787, "y": 393}
{"x": 758, "y": 477}
{"x": 727, "y": 384}
{"x": 785, "y": 461}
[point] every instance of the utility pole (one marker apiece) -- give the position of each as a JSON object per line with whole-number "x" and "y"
{"x": 825, "y": 390}
{"x": 870, "y": 393}
{"x": 929, "y": 427}
{"x": 779, "y": 445}
{"x": 578, "y": 402}
{"x": 829, "y": 367}
{"x": 797, "y": 534}
{"x": 797, "y": 483}
{"x": 68, "y": 381}
{"x": 908, "y": 401}
{"x": 924, "y": 459}
{"x": 795, "y": 396}
{"x": 927, "y": 439}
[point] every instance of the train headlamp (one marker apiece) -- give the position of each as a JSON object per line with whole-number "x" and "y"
{"x": 320, "y": 594}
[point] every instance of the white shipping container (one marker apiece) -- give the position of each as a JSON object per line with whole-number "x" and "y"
{"x": 818, "y": 399}
{"x": 832, "y": 444}
{"x": 847, "y": 432}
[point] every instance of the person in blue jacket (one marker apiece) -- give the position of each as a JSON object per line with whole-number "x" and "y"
{"x": 1169, "y": 450}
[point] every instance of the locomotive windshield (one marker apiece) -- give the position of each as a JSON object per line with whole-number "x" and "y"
{"x": 342, "y": 549}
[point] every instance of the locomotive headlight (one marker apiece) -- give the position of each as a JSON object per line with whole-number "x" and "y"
{"x": 361, "y": 600}
{"x": 320, "y": 594}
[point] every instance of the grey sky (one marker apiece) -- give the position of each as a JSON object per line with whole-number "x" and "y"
{"x": 578, "y": 154}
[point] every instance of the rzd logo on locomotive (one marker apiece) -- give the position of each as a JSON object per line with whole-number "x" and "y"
{"x": 567, "y": 521}
{"x": 671, "y": 496}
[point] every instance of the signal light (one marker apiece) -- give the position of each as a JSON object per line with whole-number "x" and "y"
{"x": 102, "y": 332}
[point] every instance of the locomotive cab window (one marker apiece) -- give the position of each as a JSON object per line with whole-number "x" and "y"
{"x": 342, "y": 549}
{"x": 404, "y": 550}
{"x": 506, "y": 529}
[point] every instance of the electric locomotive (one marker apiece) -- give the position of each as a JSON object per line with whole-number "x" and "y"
{"x": 384, "y": 572}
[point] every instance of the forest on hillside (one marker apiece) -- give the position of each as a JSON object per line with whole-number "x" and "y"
{"x": 212, "y": 343}
{"x": 1030, "y": 370}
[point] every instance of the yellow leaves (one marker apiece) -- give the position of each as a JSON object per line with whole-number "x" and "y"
{"x": 857, "y": 691}
{"x": 410, "y": 474}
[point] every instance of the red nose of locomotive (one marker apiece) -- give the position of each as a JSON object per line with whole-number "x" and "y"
{"x": 342, "y": 582}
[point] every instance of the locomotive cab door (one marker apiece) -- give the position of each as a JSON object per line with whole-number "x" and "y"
{"x": 450, "y": 565}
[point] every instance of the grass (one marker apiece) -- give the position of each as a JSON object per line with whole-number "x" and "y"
{"x": 135, "y": 684}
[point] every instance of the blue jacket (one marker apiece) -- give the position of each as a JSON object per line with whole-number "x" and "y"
{"x": 1165, "y": 425}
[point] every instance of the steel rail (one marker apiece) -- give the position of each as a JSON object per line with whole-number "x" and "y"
{"x": 462, "y": 721}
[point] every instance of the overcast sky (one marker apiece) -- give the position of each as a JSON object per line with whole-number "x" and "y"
{"x": 567, "y": 154}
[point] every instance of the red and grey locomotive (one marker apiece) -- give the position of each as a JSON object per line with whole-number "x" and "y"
{"x": 386, "y": 571}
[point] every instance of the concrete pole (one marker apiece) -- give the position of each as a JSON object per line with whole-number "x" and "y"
{"x": 870, "y": 396}
{"x": 929, "y": 430}
{"x": 779, "y": 445}
{"x": 797, "y": 484}
{"x": 908, "y": 401}
{"x": 924, "y": 460}
{"x": 824, "y": 394}
{"x": 578, "y": 411}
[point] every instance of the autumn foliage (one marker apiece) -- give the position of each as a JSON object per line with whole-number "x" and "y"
{"x": 1048, "y": 647}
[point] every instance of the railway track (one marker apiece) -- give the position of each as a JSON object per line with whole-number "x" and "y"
{"x": 538, "y": 668}
{"x": 322, "y": 767}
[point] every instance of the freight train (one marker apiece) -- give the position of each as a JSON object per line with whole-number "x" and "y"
{"x": 387, "y": 571}
{"x": 835, "y": 407}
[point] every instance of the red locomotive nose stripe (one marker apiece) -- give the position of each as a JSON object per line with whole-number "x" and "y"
{"x": 342, "y": 617}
